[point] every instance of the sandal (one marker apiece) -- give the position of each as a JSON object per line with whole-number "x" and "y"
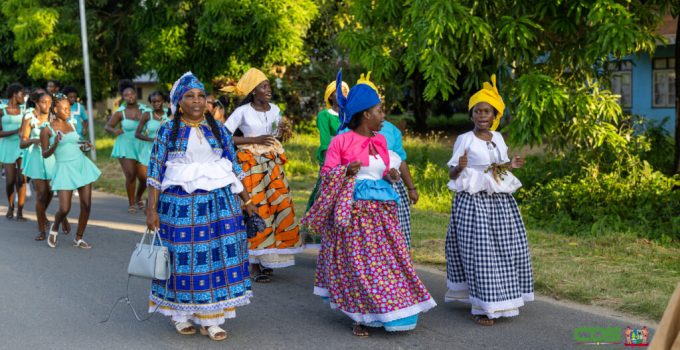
{"x": 79, "y": 243}
{"x": 359, "y": 330}
{"x": 65, "y": 226}
{"x": 10, "y": 213}
{"x": 214, "y": 332}
{"x": 52, "y": 239}
{"x": 483, "y": 320}
{"x": 40, "y": 237}
{"x": 261, "y": 278}
{"x": 20, "y": 217}
{"x": 185, "y": 328}
{"x": 132, "y": 209}
{"x": 267, "y": 271}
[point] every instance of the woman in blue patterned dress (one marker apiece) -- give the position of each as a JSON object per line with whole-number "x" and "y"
{"x": 10, "y": 153}
{"x": 194, "y": 180}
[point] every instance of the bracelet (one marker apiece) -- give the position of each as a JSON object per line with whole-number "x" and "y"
{"x": 250, "y": 200}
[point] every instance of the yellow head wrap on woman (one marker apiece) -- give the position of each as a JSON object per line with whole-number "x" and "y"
{"x": 330, "y": 89}
{"x": 248, "y": 82}
{"x": 489, "y": 94}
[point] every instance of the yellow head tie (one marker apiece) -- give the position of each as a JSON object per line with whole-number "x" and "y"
{"x": 330, "y": 89}
{"x": 367, "y": 80}
{"x": 248, "y": 82}
{"x": 489, "y": 94}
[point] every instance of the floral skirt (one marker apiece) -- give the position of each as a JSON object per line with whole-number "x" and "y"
{"x": 365, "y": 270}
{"x": 205, "y": 234}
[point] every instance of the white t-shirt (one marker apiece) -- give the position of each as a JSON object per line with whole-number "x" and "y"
{"x": 253, "y": 123}
{"x": 481, "y": 154}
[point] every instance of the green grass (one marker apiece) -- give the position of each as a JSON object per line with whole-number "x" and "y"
{"x": 621, "y": 272}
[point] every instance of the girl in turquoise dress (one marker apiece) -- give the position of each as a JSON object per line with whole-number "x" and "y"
{"x": 149, "y": 125}
{"x": 72, "y": 171}
{"x": 40, "y": 170}
{"x": 10, "y": 153}
{"x": 127, "y": 147}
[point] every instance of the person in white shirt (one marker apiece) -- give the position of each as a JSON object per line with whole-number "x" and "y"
{"x": 487, "y": 255}
{"x": 262, "y": 157}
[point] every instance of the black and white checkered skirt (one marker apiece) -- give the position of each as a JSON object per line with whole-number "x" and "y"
{"x": 404, "y": 210}
{"x": 487, "y": 256}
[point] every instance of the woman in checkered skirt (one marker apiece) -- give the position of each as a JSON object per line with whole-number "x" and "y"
{"x": 487, "y": 256}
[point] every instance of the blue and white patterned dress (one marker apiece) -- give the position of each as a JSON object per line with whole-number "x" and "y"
{"x": 201, "y": 223}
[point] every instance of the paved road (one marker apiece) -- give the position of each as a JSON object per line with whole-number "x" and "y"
{"x": 55, "y": 298}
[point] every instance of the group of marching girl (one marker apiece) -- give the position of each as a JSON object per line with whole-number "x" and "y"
{"x": 208, "y": 175}
{"x": 41, "y": 140}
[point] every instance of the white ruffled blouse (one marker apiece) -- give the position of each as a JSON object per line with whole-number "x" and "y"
{"x": 200, "y": 169}
{"x": 481, "y": 154}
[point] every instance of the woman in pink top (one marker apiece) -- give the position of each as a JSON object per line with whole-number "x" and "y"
{"x": 364, "y": 267}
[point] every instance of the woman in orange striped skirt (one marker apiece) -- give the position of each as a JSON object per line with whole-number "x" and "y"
{"x": 262, "y": 158}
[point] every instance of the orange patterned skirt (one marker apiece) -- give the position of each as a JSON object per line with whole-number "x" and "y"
{"x": 266, "y": 182}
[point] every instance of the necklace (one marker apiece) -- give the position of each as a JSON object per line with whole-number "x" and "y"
{"x": 196, "y": 125}
{"x": 158, "y": 116}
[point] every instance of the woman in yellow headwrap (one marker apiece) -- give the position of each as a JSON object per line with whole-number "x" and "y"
{"x": 262, "y": 158}
{"x": 487, "y": 256}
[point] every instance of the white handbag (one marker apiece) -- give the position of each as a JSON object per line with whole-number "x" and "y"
{"x": 149, "y": 260}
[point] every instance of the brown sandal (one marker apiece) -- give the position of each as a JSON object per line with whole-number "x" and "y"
{"x": 483, "y": 320}
{"x": 132, "y": 209}
{"x": 359, "y": 331}
{"x": 41, "y": 236}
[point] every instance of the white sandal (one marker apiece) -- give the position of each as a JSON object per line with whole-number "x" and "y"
{"x": 53, "y": 234}
{"x": 185, "y": 328}
{"x": 79, "y": 243}
{"x": 213, "y": 333}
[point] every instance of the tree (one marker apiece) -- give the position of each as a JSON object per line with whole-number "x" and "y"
{"x": 551, "y": 57}
{"x": 47, "y": 40}
{"x": 129, "y": 37}
{"x": 222, "y": 37}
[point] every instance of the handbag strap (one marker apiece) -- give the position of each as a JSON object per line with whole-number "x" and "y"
{"x": 126, "y": 298}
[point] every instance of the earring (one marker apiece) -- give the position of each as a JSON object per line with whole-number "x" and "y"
{"x": 181, "y": 110}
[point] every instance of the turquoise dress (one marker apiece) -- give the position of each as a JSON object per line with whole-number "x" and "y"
{"x": 73, "y": 169}
{"x": 9, "y": 146}
{"x": 127, "y": 145}
{"x": 151, "y": 130}
{"x": 34, "y": 165}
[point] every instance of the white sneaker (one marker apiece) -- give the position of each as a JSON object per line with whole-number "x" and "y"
{"x": 29, "y": 193}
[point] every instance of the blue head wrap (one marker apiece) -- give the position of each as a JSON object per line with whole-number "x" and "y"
{"x": 185, "y": 83}
{"x": 362, "y": 96}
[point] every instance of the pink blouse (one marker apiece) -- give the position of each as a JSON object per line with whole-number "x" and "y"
{"x": 350, "y": 147}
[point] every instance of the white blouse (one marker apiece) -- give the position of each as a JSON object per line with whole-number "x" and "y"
{"x": 374, "y": 170}
{"x": 200, "y": 169}
{"x": 253, "y": 123}
{"x": 481, "y": 154}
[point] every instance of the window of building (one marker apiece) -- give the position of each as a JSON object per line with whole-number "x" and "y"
{"x": 663, "y": 82}
{"x": 622, "y": 82}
